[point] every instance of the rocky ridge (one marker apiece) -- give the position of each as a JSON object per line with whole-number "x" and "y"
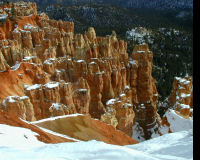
{"x": 52, "y": 72}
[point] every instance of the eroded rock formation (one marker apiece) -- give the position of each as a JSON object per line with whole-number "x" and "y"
{"x": 180, "y": 100}
{"x": 62, "y": 73}
{"x": 146, "y": 92}
{"x": 181, "y": 97}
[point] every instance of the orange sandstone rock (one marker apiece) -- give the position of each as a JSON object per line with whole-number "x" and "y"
{"x": 63, "y": 73}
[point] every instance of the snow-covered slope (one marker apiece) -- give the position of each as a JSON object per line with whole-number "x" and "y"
{"x": 20, "y": 144}
{"x": 177, "y": 146}
{"x": 175, "y": 122}
{"x": 172, "y": 122}
{"x": 17, "y": 137}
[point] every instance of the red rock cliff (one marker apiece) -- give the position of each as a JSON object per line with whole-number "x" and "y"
{"x": 62, "y": 73}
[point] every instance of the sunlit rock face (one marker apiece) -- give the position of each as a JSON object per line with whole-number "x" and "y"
{"x": 182, "y": 92}
{"x": 63, "y": 73}
{"x": 145, "y": 103}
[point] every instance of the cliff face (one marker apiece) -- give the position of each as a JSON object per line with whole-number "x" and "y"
{"x": 61, "y": 73}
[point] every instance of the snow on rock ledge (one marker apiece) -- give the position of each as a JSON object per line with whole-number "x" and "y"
{"x": 18, "y": 107}
{"x": 35, "y": 86}
{"x": 52, "y": 85}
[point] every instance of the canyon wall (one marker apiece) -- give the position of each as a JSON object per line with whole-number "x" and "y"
{"x": 52, "y": 71}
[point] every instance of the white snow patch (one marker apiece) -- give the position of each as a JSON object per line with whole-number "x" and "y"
{"x": 3, "y": 16}
{"x": 52, "y": 85}
{"x": 4, "y": 103}
{"x": 82, "y": 90}
{"x": 132, "y": 62}
{"x": 111, "y": 102}
{"x": 127, "y": 105}
{"x": 182, "y": 80}
{"x": 80, "y": 61}
{"x": 29, "y": 58}
{"x": 58, "y": 71}
{"x": 127, "y": 87}
{"x": 138, "y": 133}
{"x": 186, "y": 82}
{"x": 16, "y": 30}
{"x": 94, "y": 58}
{"x": 28, "y": 26}
{"x": 23, "y": 31}
{"x": 11, "y": 99}
{"x": 26, "y": 86}
{"x": 4, "y": 47}
{"x": 35, "y": 86}
{"x": 183, "y": 95}
{"x": 92, "y": 63}
{"x": 57, "y": 106}
{"x": 16, "y": 66}
{"x": 140, "y": 51}
{"x": 184, "y": 106}
{"x": 16, "y": 137}
{"x": 24, "y": 97}
{"x": 49, "y": 61}
{"x": 58, "y": 117}
{"x": 122, "y": 95}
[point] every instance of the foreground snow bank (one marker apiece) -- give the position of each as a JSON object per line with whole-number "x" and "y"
{"x": 17, "y": 137}
{"x": 177, "y": 145}
{"x": 21, "y": 144}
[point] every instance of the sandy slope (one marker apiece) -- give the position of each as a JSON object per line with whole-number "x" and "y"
{"x": 85, "y": 128}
